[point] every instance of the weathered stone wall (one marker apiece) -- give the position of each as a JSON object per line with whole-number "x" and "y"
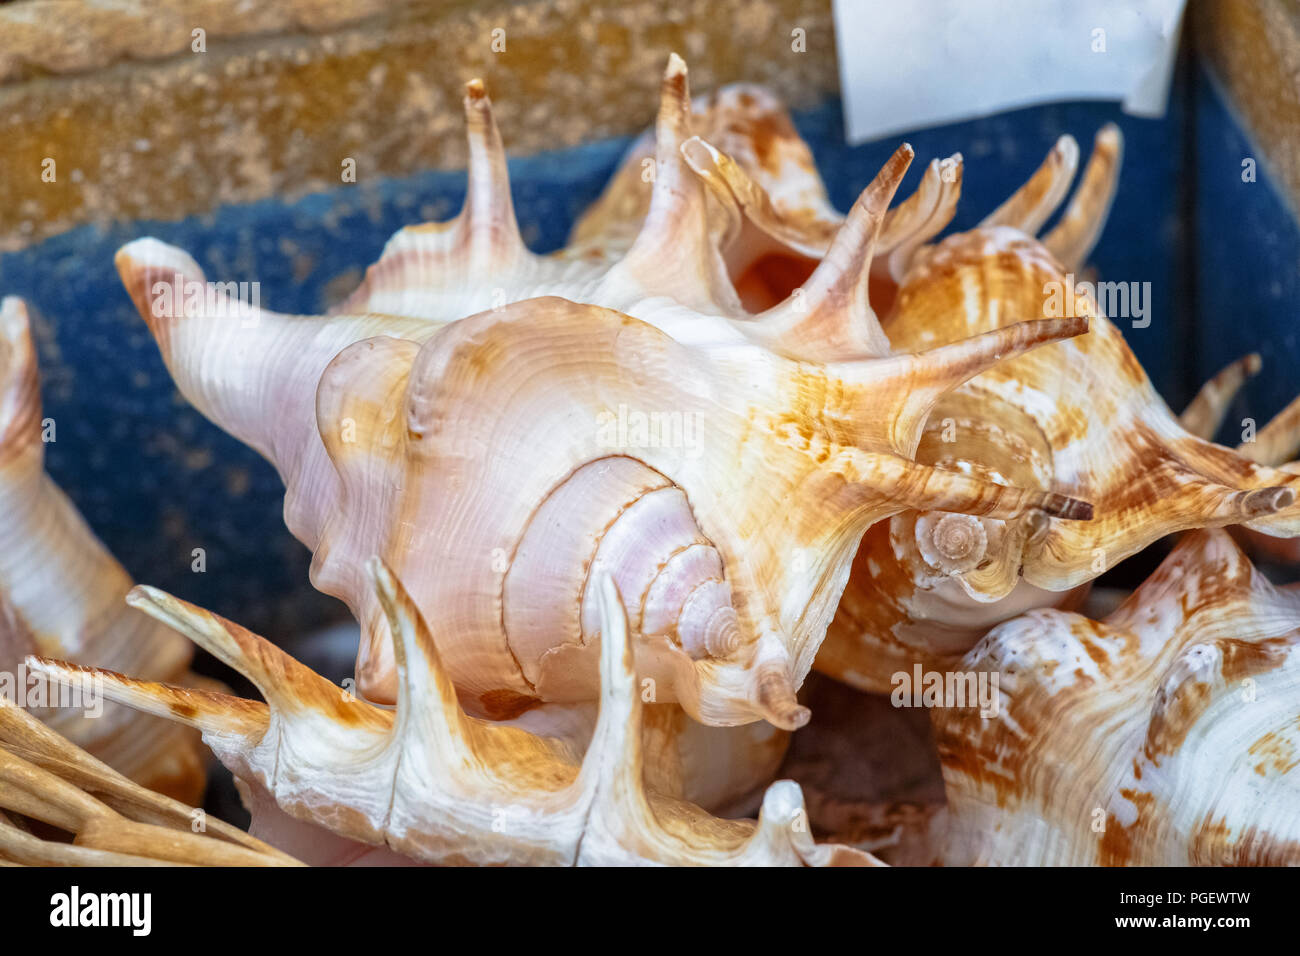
{"x": 141, "y": 125}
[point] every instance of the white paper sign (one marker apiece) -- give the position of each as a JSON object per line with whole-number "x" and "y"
{"x": 907, "y": 64}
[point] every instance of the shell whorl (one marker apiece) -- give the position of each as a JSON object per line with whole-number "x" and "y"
{"x": 951, "y": 543}
{"x": 639, "y": 530}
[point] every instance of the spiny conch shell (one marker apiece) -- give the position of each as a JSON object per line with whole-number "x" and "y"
{"x": 1166, "y": 734}
{"x": 1078, "y": 418}
{"x": 494, "y": 461}
{"x": 115, "y": 822}
{"x": 438, "y": 786}
{"x": 61, "y": 594}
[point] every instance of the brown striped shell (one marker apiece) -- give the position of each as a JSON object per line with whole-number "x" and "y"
{"x": 1166, "y": 734}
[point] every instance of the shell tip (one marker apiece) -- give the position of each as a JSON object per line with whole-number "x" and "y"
{"x": 775, "y": 700}
{"x": 1267, "y": 501}
{"x": 144, "y": 596}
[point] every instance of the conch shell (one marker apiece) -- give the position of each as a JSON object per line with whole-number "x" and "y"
{"x": 438, "y": 786}
{"x": 61, "y": 593}
{"x": 484, "y": 454}
{"x": 1167, "y": 734}
{"x": 1078, "y": 418}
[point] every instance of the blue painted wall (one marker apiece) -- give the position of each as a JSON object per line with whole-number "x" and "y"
{"x": 1247, "y": 281}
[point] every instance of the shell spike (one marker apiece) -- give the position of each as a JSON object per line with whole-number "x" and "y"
{"x": 1207, "y": 410}
{"x": 924, "y": 377}
{"x": 198, "y": 329}
{"x": 611, "y": 780}
{"x": 920, "y": 217}
{"x": 282, "y": 680}
{"x": 927, "y": 488}
{"x": 1033, "y": 203}
{"x": 784, "y": 831}
{"x": 1255, "y": 503}
{"x": 427, "y": 707}
{"x": 622, "y": 815}
{"x": 614, "y": 755}
{"x": 235, "y": 361}
{"x": 1277, "y": 442}
{"x": 1071, "y": 240}
{"x": 207, "y": 711}
{"x": 489, "y": 214}
{"x": 675, "y": 237}
{"x": 830, "y": 317}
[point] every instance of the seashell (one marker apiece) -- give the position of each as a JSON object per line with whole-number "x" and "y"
{"x": 1165, "y": 734}
{"x": 1078, "y": 418}
{"x": 438, "y": 786}
{"x": 482, "y": 454}
{"x": 61, "y": 593}
{"x": 115, "y": 821}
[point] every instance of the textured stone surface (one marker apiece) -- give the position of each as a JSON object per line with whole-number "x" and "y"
{"x": 265, "y": 112}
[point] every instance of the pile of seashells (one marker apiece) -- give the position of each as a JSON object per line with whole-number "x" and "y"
{"x": 580, "y": 642}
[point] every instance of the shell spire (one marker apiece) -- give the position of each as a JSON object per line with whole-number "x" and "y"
{"x": 421, "y": 778}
